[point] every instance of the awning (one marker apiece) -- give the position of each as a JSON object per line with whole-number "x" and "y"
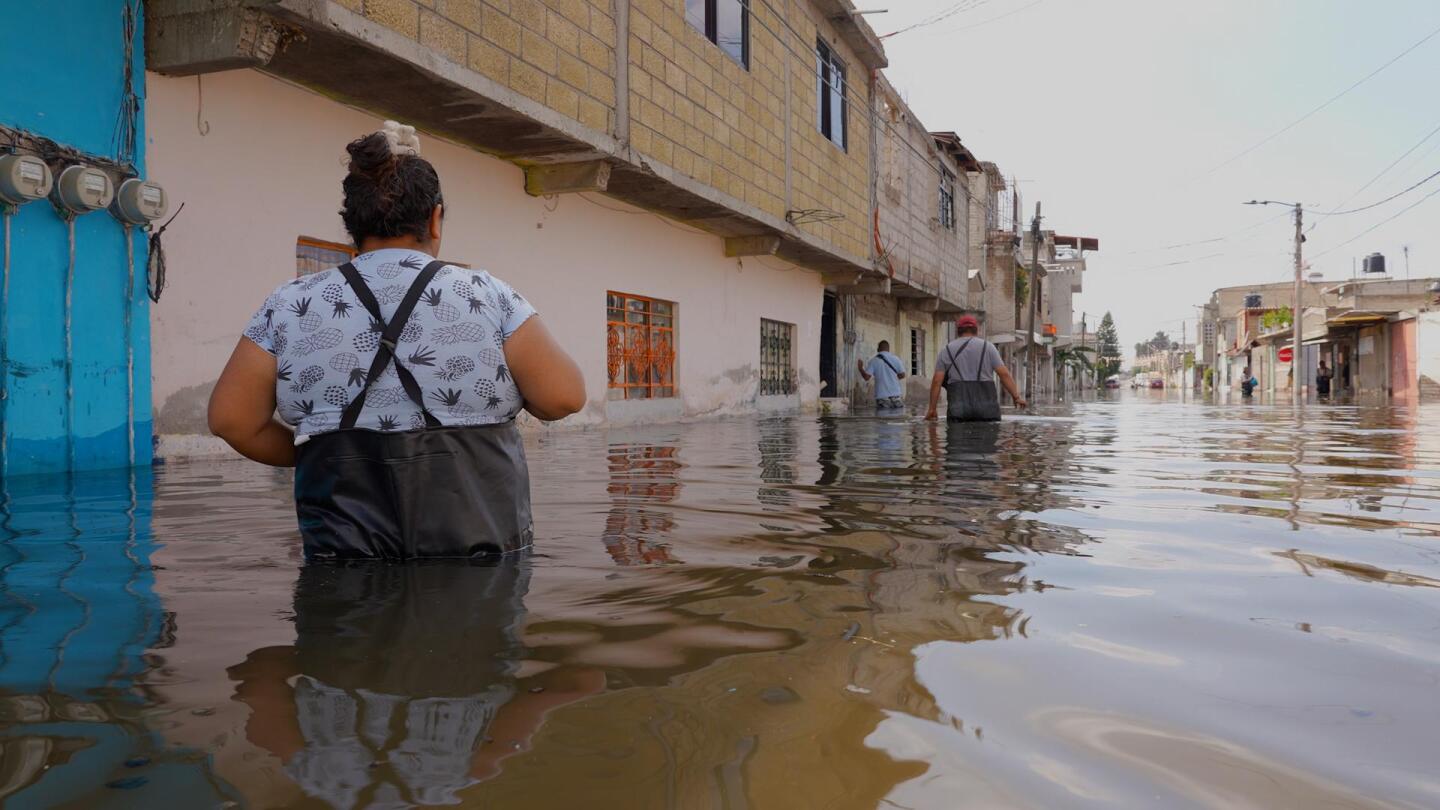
{"x": 1354, "y": 317}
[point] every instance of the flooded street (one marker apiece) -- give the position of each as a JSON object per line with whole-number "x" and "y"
{"x": 1129, "y": 602}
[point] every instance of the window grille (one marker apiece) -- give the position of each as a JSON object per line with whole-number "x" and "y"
{"x": 314, "y": 255}
{"x": 831, "y": 105}
{"x": 725, "y": 23}
{"x": 777, "y": 357}
{"x": 640, "y": 346}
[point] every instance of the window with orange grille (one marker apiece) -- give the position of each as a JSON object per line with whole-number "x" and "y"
{"x": 314, "y": 255}
{"x": 640, "y": 346}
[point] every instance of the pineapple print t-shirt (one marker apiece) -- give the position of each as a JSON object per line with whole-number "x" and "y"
{"x": 454, "y": 343}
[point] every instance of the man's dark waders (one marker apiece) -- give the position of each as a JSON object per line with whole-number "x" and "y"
{"x": 971, "y": 400}
{"x": 437, "y": 492}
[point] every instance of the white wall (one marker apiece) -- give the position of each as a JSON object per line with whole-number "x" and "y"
{"x": 268, "y": 169}
{"x": 1427, "y": 350}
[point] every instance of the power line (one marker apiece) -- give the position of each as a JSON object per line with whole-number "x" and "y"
{"x": 1394, "y": 216}
{"x": 939, "y": 17}
{"x": 1224, "y": 238}
{"x": 1380, "y": 202}
{"x": 987, "y": 22}
{"x": 1372, "y": 74}
{"x": 1385, "y": 170}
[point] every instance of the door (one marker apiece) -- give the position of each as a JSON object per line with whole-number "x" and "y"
{"x": 829, "y": 384}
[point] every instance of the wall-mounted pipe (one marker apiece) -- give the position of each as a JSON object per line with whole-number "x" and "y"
{"x": 6, "y": 213}
{"x": 129, "y": 345}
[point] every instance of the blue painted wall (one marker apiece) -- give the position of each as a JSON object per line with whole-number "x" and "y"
{"x": 64, "y": 81}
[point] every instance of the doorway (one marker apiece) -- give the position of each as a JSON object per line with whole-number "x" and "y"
{"x": 829, "y": 383}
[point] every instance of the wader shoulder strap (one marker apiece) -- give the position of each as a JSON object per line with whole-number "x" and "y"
{"x": 386, "y": 351}
{"x": 953, "y": 361}
{"x": 886, "y": 361}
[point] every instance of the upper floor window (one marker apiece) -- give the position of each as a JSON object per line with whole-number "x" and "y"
{"x": 831, "y": 104}
{"x": 947, "y": 198}
{"x": 725, "y": 23}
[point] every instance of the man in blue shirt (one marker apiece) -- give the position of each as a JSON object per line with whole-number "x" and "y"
{"x": 887, "y": 371}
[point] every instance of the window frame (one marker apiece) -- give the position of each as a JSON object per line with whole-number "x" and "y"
{"x": 711, "y": 27}
{"x": 947, "y": 199}
{"x": 338, "y": 248}
{"x": 777, "y": 369}
{"x": 828, "y": 63}
{"x": 620, "y": 356}
{"x": 917, "y": 351}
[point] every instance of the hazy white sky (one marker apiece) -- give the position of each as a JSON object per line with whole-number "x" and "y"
{"x": 1116, "y": 113}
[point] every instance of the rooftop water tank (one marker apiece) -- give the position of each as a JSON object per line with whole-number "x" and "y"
{"x": 1374, "y": 263}
{"x": 1252, "y": 301}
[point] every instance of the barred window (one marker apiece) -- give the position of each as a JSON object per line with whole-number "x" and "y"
{"x": 315, "y": 255}
{"x": 777, "y": 357}
{"x": 917, "y": 352}
{"x": 640, "y": 346}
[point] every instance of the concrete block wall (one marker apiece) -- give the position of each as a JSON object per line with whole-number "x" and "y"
{"x": 560, "y": 53}
{"x": 921, "y": 251}
{"x": 700, "y": 112}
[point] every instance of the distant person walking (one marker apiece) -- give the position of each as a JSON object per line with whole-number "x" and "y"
{"x": 967, "y": 369}
{"x": 1247, "y": 384}
{"x": 887, "y": 371}
{"x": 1323, "y": 376}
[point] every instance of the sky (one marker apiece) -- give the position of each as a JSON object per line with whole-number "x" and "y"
{"x": 1128, "y": 120}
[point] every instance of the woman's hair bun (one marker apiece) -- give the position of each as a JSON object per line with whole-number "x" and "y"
{"x": 375, "y": 153}
{"x": 402, "y": 138}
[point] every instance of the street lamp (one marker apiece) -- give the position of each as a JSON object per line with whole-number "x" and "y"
{"x": 1296, "y": 311}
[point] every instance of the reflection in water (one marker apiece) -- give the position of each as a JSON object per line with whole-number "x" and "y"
{"x": 642, "y": 478}
{"x": 1146, "y": 604}
{"x": 405, "y": 681}
{"x": 77, "y": 616}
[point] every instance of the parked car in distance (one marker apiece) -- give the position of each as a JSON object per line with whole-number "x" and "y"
{"x": 1112, "y": 382}
{"x": 1157, "y": 382}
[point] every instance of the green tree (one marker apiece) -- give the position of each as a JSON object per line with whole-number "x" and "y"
{"x": 1109, "y": 341}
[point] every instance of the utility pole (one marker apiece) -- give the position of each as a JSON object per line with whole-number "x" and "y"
{"x": 1032, "y": 356}
{"x": 1296, "y": 367}
{"x": 1296, "y": 311}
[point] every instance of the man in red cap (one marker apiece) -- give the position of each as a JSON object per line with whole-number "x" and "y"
{"x": 967, "y": 369}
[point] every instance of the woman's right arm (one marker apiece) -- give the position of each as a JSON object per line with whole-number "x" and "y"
{"x": 549, "y": 380}
{"x": 242, "y": 408}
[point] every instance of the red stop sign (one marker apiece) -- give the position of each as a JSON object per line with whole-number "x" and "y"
{"x": 1287, "y": 354}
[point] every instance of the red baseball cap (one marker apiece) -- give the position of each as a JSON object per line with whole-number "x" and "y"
{"x": 967, "y": 321}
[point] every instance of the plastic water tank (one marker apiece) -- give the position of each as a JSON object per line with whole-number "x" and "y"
{"x": 1374, "y": 263}
{"x": 1252, "y": 301}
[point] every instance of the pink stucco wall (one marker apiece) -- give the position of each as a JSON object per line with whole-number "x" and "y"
{"x": 259, "y": 163}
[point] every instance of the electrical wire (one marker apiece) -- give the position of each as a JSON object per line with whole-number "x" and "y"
{"x": 1384, "y": 221}
{"x": 129, "y": 343}
{"x": 70, "y": 347}
{"x": 1272, "y": 136}
{"x": 1379, "y": 202}
{"x": 996, "y": 18}
{"x": 938, "y": 17}
{"x": 127, "y": 118}
{"x": 1383, "y": 172}
{"x": 4, "y": 348}
{"x": 155, "y": 266}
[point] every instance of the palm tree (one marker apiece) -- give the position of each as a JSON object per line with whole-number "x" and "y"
{"x": 1076, "y": 359}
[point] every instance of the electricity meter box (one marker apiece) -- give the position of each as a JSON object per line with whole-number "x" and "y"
{"x": 139, "y": 202}
{"x": 83, "y": 189}
{"x": 23, "y": 178}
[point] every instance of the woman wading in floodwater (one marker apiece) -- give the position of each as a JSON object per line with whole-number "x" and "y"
{"x": 397, "y": 379}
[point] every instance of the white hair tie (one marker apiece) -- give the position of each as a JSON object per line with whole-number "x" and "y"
{"x": 402, "y": 138}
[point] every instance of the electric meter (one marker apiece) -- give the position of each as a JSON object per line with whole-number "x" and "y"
{"x": 84, "y": 188}
{"x": 23, "y": 178}
{"x": 138, "y": 202}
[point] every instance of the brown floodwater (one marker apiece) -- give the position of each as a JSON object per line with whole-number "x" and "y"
{"x": 1132, "y": 602}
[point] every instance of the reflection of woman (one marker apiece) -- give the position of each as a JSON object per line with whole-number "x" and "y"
{"x": 406, "y": 683}
{"x": 397, "y": 379}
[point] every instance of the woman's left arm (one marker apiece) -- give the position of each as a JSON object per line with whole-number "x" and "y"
{"x": 242, "y": 408}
